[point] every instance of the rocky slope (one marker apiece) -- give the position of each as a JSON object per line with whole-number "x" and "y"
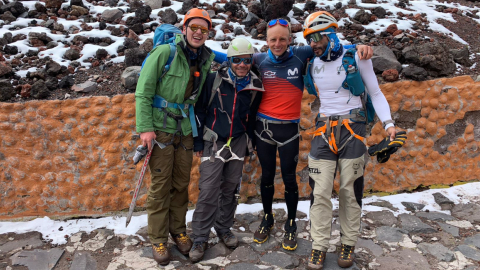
{"x": 56, "y": 50}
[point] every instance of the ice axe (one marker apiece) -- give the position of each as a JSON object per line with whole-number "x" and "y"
{"x": 140, "y": 178}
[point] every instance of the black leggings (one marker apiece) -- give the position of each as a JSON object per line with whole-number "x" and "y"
{"x": 267, "y": 155}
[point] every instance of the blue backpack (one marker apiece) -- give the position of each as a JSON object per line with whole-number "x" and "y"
{"x": 354, "y": 83}
{"x": 165, "y": 34}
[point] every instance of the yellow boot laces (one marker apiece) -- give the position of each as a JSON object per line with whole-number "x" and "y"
{"x": 160, "y": 248}
{"x": 346, "y": 252}
{"x": 182, "y": 238}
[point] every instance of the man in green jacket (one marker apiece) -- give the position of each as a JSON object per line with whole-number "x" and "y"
{"x": 164, "y": 112}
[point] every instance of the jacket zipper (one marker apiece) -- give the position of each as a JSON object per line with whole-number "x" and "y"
{"x": 233, "y": 111}
{"x": 215, "y": 118}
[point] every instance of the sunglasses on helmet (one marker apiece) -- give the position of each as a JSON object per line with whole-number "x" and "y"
{"x": 238, "y": 60}
{"x": 282, "y": 22}
{"x": 195, "y": 27}
{"x": 315, "y": 37}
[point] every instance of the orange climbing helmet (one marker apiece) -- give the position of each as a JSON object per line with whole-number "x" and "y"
{"x": 318, "y": 21}
{"x": 197, "y": 13}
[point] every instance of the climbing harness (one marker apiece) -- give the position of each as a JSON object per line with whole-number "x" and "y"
{"x": 216, "y": 154}
{"x": 270, "y": 133}
{"x": 327, "y": 131}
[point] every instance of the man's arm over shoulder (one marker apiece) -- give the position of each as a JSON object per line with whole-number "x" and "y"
{"x": 146, "y": 88}
{"x": 303, "y": 52}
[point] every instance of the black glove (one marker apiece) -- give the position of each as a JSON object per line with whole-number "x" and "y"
{"x": 385, "y": 148}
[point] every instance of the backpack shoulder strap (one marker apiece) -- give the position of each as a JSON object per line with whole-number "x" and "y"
{"x": 349, "y": 59}
{"x": 216, "y": 84}
{"x": 173, "y": 54}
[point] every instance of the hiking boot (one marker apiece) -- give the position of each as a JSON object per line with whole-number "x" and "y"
{"x": 290, "y": 238}
{"x": 183, "y": 242}
{"x": 315, "y": 262}
{"x": 197, "y": 251}
{"x": 229, "y": 239}
{"x": 161, "y": 253}
{"x": 261, "y": 234}
{"x": 346, "y": 256}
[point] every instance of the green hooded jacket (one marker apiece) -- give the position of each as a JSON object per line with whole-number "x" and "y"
{"x": 171, "y": 88}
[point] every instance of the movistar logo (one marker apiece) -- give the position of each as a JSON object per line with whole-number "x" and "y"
{"x": 317, "y": 70}
{"x": 292, "y": 72}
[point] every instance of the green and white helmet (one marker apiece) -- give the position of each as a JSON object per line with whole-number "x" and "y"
{"x": 240, "y": 46}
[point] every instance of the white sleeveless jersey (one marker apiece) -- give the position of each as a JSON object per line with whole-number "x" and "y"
{"x": 328, "y": 77}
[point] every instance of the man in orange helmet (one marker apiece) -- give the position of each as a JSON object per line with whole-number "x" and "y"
{"x": 339, "y": 138}
{"x": 171, "y": 124}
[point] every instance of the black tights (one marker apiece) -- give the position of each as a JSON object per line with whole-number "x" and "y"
{"x": 267, "y": 155}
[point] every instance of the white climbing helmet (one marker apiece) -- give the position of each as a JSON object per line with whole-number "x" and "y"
{"x": 240, "y": 46}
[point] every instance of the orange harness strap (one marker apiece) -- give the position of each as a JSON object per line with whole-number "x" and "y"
{"x": 331, "y": 139}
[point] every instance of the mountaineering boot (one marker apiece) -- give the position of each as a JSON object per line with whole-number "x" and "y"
{"x": 197, "y": 251}
{"x": 346, "y": 256}
{"x": 290, "y": 238}
{"x": 315, "y": 262}
{"x": 261, "y": 234}
{"x": 161, "y": 253}
{"x": 183, "y": 242}
{"x": 229, "y": 239}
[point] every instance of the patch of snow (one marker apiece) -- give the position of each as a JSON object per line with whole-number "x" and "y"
{"x": 49, "y": 228}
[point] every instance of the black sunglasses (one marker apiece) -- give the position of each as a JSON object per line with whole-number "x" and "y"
{"x": 315, "y": 37}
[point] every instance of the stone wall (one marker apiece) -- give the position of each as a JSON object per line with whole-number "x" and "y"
{"x": 73, "y": 157}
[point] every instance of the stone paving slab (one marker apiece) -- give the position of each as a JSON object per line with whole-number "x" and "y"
{"x": 406, "y": 259}
{"x": 449, "y": 229}
{"x": 444, "y": 202}
{"x": 413, "y": 207}
{"x": 244, "y": 254}
{"x": 382, "y": 203}
{"x": 375, "y": 249}
{"x": 38, "y": 259}
{"x": 218, "y": 250}
{"x": 280, "y": 259}
{"x": 473, "y": 241}
{"x": 33, "y": 242}
{"x": 414, "y": 225}
{"x": 389, "y": 234}
{"x": 435, "y": 216}
{"x": 437, "y": 250}
{"x": 382, "y": 218}
{"x": 83, "y": 261}
{"x": 469, "y": 252}
{"x": 469, "y": 211}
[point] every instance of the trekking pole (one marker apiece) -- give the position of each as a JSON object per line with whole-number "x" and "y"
{"x": 140, "y": 180}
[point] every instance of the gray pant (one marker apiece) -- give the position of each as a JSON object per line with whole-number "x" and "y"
{"x": 322, "y": 163}
{"x": 218, "y": 182}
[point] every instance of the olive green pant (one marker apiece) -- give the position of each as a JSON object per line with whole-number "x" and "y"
{"x": 167, "y": 199}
